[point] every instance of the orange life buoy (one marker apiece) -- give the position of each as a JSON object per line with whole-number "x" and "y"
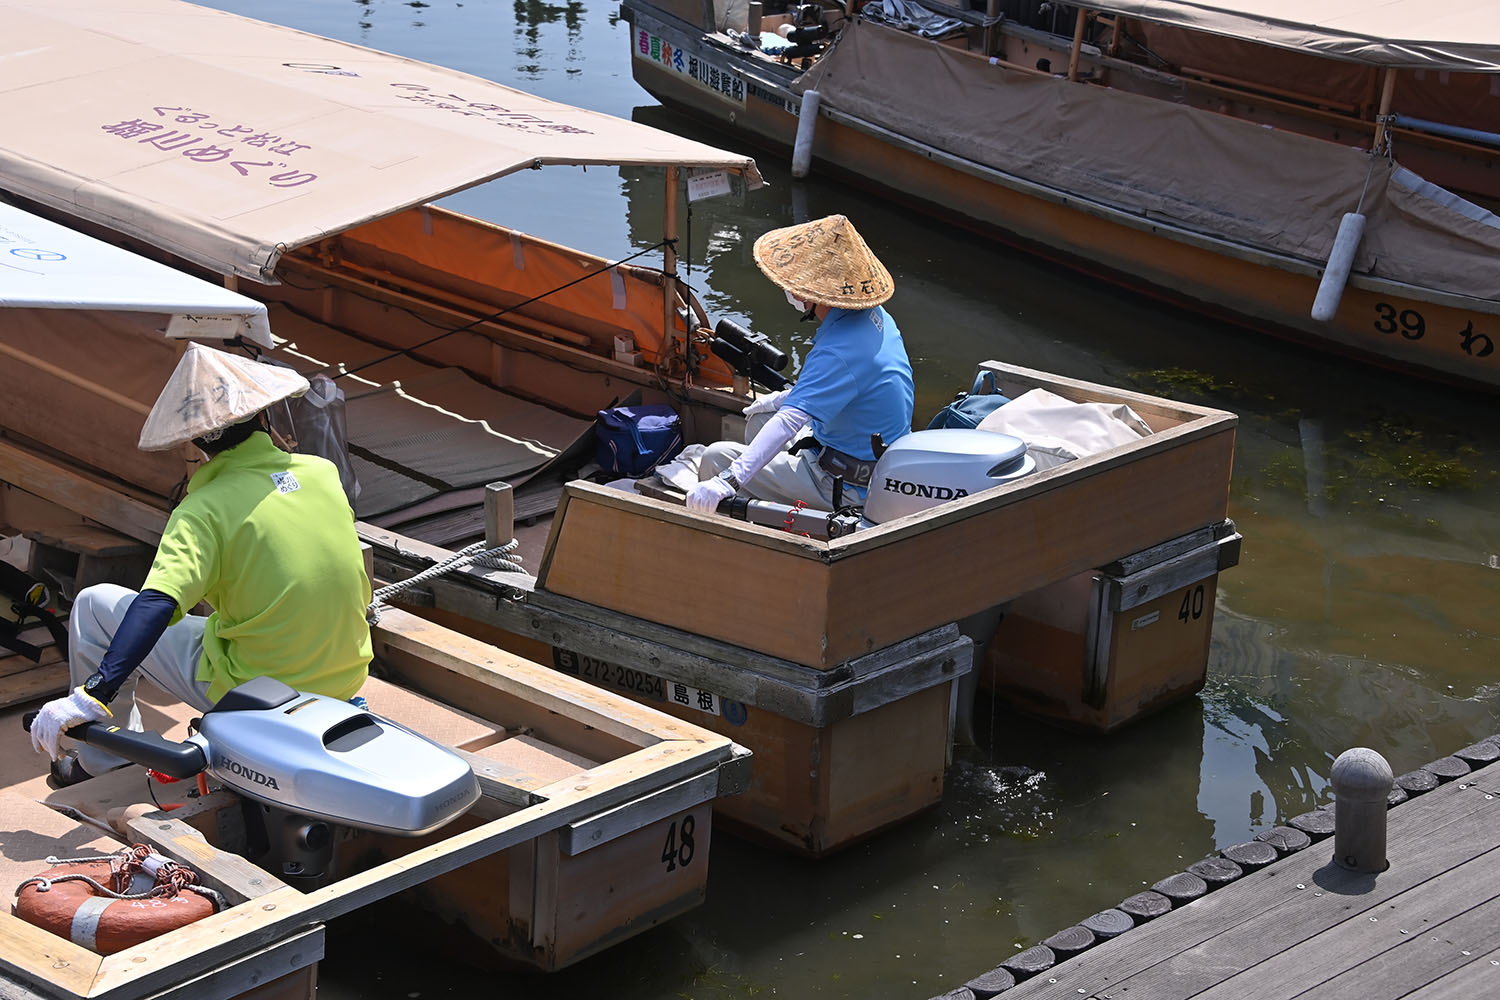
{"x": 111, "y": 902}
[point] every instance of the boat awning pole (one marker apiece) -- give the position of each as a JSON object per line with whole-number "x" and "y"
{"x": 669, "y": 270}
{"x": 1083, "y": 17}
{"x": 1387, "y": 89}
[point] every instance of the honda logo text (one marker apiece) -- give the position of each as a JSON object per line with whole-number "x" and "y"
{"x": 923, "y": 490}
{"x": 249, "y": 774}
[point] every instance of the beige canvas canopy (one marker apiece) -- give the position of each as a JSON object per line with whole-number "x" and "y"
{"x": 230, "y": 141}
{"x": 1270, "y": 190}
{"x": 1414, "y": 34}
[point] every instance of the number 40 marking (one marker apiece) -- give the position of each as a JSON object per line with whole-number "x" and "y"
{"x": 1192, "y": 605}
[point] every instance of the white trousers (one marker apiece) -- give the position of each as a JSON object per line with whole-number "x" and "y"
{"x": 172, "y": 664}
{"x": 785, "y": 479}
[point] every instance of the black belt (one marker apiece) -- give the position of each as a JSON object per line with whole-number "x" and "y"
{"x": 853, "y": 471}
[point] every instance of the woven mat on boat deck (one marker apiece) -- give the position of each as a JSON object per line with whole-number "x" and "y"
{"x": 443, "y": 431}
{"x": 425, "y": 439}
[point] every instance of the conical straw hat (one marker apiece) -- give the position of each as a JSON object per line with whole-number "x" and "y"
{"x": 824, "y": 262}
{"x": 210, "y": 390}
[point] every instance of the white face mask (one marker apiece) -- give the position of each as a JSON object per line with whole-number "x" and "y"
{"x": 797, "y": 303}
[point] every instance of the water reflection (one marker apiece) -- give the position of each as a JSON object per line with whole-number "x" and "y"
{"x": 533, "y": 54}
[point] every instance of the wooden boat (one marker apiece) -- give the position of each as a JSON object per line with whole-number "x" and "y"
{"x": 565, "y": 853}
{"x": 1204, "y": 154}
{"x": 476, "y": 357}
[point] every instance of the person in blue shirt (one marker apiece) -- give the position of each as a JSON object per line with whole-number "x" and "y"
{"x": 855, "y": 383}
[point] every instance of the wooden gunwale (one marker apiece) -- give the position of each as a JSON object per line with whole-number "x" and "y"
{"x": 1192, "y": 423}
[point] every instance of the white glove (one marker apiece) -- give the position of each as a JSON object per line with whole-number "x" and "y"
{"x": 707, "y": 494}
{"x": 767, "y": 403}
{"x": 64, "y": 713}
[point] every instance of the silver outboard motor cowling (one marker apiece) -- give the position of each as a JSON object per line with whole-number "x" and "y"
{"x": 926, "y": 468}
{"x": 325, "y": 758}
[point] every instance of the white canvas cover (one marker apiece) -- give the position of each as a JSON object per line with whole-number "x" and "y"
{"x": 47, "y": 266}
{"x": 1058, "y": 430}
{"x": 1416, "y": 34}
{"x": 229, "y": 141}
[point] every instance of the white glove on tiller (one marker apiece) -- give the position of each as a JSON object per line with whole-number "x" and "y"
{"x": 707, "y": 494}
{"x": 64, "y": 713}
{"x": 767, "y": 403}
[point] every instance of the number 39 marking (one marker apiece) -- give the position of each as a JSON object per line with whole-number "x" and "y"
{"x": 1412, "y": 325}
{"x": 679, "y": 850}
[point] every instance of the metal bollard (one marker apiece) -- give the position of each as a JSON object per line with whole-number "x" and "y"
{"x": 1361, "y": 785}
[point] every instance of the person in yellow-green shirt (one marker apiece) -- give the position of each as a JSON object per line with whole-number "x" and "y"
{"x": 264, "y": 537}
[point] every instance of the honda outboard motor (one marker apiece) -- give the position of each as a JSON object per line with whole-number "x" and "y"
{"x": 926, "y": 468}
{"x": 304, "y": 763}
{"x": 921, "y": 470}
{"x": 323, "y": 757}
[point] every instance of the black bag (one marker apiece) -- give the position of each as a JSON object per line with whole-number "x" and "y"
{"x": 973, "y": 406}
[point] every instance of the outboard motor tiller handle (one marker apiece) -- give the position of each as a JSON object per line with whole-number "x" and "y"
{"x": 175, "y": 760}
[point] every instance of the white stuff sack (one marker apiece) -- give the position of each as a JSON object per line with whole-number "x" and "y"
{"x": 1058, "y": 430}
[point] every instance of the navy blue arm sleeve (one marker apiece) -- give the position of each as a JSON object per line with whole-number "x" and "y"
{"x": 148, "y": 617}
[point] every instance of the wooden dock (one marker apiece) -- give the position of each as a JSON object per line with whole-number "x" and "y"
{"x": 1301, "y": 926}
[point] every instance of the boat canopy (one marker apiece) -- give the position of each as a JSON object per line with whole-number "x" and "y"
{"x": 1458, "y": 35}
{"x": 1163, "y": 161}
{"x": 229, "y": 141}
{"x": 47, "y": 266}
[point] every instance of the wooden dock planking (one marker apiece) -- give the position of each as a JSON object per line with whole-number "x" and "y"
{"x": 1479, "y": 978}
{"x": 1256, "y": 936}
{"x": 1436, "y": 951}
{"x": 1389, "y": 945}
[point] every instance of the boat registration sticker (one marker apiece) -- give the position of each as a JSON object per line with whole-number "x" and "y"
{"x": 638, "y": 682}
{"x": 607, "y": 674}
{"x": 725, "y": 82}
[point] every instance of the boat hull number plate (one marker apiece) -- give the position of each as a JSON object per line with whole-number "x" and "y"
{"x": 634, "y": 682}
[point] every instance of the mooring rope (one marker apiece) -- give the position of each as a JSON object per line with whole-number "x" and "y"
{"x": 501, "y": 557}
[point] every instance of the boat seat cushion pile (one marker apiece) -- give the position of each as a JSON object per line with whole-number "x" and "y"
{"x": 1058, "y": 430}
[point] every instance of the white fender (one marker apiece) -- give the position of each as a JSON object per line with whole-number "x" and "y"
{"x": 1340, "y": 260}
{"x": 807, "y": 123}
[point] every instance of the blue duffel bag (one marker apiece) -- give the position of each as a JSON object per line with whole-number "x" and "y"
{"x": 633, "y": 440}
{"x": 971, "y": 407}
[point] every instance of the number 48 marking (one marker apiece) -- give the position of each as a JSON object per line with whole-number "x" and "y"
{"x": 679, "y": 851}
{"x": 1192, "y": 605}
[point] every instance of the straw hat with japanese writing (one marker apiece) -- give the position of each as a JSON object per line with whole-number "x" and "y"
{"x": 209, "y": 390}
{"x": 824, "y": 262}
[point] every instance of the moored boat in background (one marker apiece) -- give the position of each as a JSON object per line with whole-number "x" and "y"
{"x": 1209, "y": 156}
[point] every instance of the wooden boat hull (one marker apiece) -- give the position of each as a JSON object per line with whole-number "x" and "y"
{"x": 1399, "y": 326}
{"x": 595, "y": 823}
